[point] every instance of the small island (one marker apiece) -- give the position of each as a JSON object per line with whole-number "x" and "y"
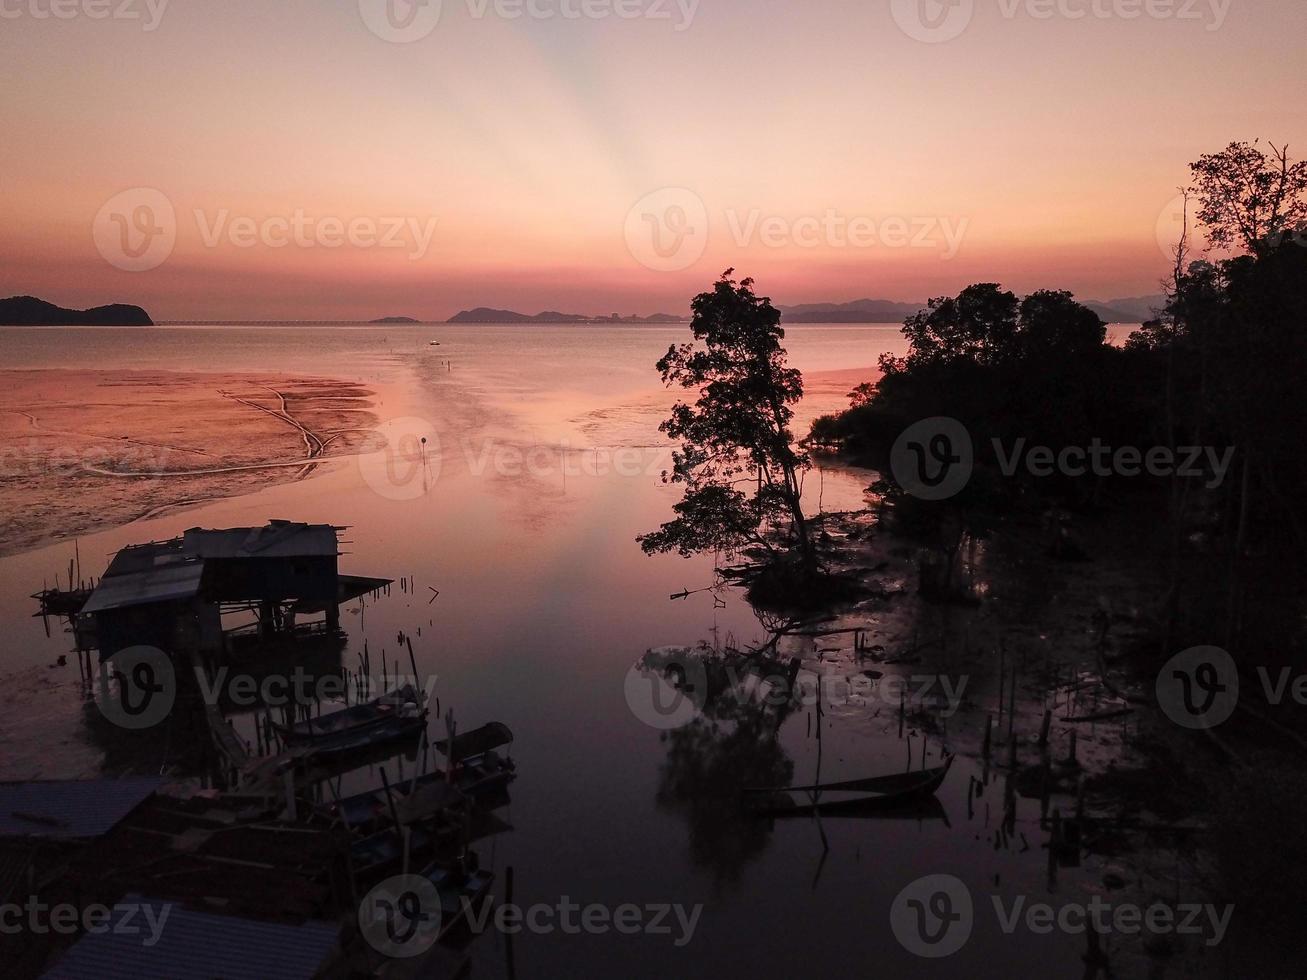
{"x": 28, "y": 311}
{"x": 396, "y": 320}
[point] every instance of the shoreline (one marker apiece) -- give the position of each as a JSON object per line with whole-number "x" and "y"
{"x": 143, "y": 443}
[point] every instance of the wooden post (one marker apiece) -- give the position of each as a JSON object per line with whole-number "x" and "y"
{"x": 289, "y": 782}
{"x": 390, "y": 799}
{"x": 1054, "y": 845}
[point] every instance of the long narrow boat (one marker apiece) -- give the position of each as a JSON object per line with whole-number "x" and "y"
{"x": 351, "y": 725}
{"x": 478, "y": 741}
{"x": 459, "y": 893}
{"x": 852, "y": 797}
{"x": 477, "y": 780}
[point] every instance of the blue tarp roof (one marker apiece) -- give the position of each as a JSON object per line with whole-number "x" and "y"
{"x": 72, "y": 809}
{"x": 195, "y": 946}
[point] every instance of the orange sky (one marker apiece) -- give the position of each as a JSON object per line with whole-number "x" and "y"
{"x": 508, "y": 161}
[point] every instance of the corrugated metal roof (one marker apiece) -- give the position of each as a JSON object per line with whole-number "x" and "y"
{"x": 164, "y": 584}
{"x": 143, "y": 557}
{"x": 279, "y": 539}
{"x": 70, "y": 809}
{"x": 195, "y": 946}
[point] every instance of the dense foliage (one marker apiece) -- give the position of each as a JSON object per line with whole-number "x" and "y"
{"x": 1222, "y": 366}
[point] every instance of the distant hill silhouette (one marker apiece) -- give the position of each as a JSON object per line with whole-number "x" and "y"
{"x": 395, "y": 319}
{"x": 1131, "y": 309}
{"x": 28, "y": 311}
{"x": 484, "y": 314}
{"x": 1134, "y": 309}
{"x": 855, "y": 311}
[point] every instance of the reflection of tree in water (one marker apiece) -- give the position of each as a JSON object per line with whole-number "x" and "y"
{"x": 732, "y": 745}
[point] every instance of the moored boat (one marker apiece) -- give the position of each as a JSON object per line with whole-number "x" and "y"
{"x": 393, "y": 712}
{"x": 852, "y": 797}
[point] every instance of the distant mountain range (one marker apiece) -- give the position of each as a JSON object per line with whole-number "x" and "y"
{"x": 483, "y": 314}
{"x": 1131, "y": 309}
{"x": 1134, "y": 309}
{"x": 856, "y": 311}
{"x": 28, "y": 311}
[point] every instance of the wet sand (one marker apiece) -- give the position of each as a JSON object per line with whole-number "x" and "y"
{"x": 84, "y": 450}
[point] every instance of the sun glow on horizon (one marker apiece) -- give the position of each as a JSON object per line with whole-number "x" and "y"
{"x": 315, "y": 169}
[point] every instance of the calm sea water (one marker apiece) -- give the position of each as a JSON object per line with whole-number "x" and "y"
{"x": 542, "y": 467}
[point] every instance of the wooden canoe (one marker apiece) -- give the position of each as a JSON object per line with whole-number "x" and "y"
{"x": 852, "y": 797}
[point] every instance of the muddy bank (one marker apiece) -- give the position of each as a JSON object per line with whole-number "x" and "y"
{"x": 85, "y": 450}
{"x": 1044, "y": 681}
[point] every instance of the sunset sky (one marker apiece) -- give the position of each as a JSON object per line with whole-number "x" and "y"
{"x": 1032, "y": 150}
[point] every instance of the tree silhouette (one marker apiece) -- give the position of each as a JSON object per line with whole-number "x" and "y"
{"x": 1248, "y": 197}
{"x": 737, "y": 456}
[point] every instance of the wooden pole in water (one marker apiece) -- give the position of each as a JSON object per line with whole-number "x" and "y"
{"x": 1054, "y": 844}
{"x": 1043, "y": 729}
{"x": 1012, "y": 706}
{"x": 508, "y": 934}
{"x": 390, "y": 799}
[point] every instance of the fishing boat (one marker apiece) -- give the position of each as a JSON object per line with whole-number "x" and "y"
{"x": 850, "y": 797}
{"x": 478, "y": 781}
{"x": 460, "y": 893}
{"x": 393, "y": 712}
{"x": 384, "y": 849}
{"x": 478, "y": 741}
